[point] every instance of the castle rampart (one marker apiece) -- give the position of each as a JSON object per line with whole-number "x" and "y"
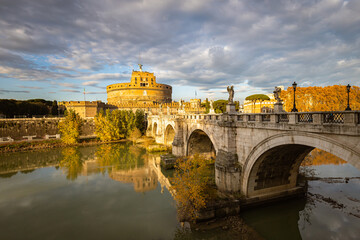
{"x": 142, "y": 88}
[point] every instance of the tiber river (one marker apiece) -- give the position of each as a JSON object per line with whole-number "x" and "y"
{"x": 118, "y": 191}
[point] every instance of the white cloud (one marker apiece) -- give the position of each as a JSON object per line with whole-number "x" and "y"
{"x": 205, "y": 44}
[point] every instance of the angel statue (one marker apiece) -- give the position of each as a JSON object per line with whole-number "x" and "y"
{"x": 180, "y": 104}
{"x": 212, "y": 104}
{"x": 231, "y": 94}
{"x": 277, "y": 94}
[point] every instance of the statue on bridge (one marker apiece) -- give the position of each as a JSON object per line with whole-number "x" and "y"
{"x": 277, "y": 94}
{"x": 231, "y": 94}
{"x": 212, "y": 107}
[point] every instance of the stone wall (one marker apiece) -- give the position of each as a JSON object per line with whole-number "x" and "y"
{"x": 17, "y": 128}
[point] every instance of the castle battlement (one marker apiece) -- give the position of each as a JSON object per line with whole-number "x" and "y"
{"x": 142, "y": 88}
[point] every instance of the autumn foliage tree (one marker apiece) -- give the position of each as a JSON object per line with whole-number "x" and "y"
{"x": 118, "y": 124}
{"x": 70, "y": 127}
{"x": 330, "y": 98}
{"x": 191, "y": 183}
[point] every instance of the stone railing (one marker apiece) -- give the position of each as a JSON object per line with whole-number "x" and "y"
{"x": 315, "y": 118}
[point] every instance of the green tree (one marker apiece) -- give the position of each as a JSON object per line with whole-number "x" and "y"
{"x": 206, "y": 105}
{"x": 220, "y": 106}
{"x": 54, "y": 108}
{"x": 114, "y": 125}
{"x": 140, "y": 121}
{"x": 70, "y": 127}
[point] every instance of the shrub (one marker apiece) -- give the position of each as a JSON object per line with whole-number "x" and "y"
{"x": 70, "y": 127}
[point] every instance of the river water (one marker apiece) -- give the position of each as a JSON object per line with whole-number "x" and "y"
{"x": 118, "y": 191}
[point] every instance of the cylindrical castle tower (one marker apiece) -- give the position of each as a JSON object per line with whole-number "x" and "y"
{"x": 141, "y": 89}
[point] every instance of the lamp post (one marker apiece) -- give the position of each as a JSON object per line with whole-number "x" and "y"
{"x": 348, "y": 98}
{"x": 294, "y": 108}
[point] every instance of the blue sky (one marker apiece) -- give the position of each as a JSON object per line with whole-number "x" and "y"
{"x": 53, "y": 49}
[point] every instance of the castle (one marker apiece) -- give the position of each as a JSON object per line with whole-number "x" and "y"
{"x": 142, "y": 92}
{"x": 142, "y": 89}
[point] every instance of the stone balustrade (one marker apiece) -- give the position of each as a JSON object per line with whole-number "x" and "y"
{"x": 312, "y": 118}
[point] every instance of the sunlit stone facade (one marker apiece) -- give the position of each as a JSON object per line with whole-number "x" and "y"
{"x": 142, "y": 88}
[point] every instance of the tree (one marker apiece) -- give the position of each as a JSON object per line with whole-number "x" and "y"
{"x": 191, "y": 184}
{"x": 140, "y": 123}
{"x": 54, "y": 108}
{"x": 70, "y": 127}
{"x": 114, "y": 125}
{"x": 206, "y": 105}
{"x": 329, "y": 98}
{"x": 220, "y": 106}
{"x": 135, "y": 134}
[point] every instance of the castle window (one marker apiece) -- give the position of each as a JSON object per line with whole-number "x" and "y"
{"x": 142, "y": 85}
{"x": 135, "y": 78}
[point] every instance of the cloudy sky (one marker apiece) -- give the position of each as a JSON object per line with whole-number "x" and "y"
{"x": 53, "y": 49}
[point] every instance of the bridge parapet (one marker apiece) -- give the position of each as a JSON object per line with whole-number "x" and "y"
{"x": 326, "y": 117}
{"x": 343, "y": 122}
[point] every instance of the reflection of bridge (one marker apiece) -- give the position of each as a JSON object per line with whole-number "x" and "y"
{"x": 260, "y": 154}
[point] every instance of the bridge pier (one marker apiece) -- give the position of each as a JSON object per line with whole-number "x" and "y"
{"x": 178, "y": 146}
{"x": 227, "y": 167}
{"x": 227, "y": 171}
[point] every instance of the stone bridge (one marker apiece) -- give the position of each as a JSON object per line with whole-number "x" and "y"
{"x": 259, "y": 155}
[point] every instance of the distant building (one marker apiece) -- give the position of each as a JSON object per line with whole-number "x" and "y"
{"x": 142, "y": 92}
{"x": 85, "y": 108}
{"x": 266, "y": 106}
{"x": 142, "y": 89}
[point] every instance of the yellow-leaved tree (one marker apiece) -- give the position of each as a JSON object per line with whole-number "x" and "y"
{"x": 191, "y": 184}
{"x": 114, "y": 125}
{"x": 70, "y": 127}
{"x": 329, "y": 98}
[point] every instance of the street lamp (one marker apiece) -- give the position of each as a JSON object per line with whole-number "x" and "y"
{"x": 348, "y": 99}
{"x": 294, "y": 108}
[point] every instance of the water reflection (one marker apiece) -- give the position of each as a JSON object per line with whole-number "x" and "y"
{"x": 104, "y": 181}
{"x": 127, "y": 163}
{"x": 71, "y": 163}
{"x": 319, "y": 157}
{"x": 121, "y": 162}
{"x": 330, "y": 210}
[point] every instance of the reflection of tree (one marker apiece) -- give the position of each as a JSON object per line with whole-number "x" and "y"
{"x": 28, "y": 161}
{"x": 306, "y": 213}
{"x": 191, "y": 183}
{"x": 119, "y": 156}
{"x": 320, "y": 157}
{"x": 8, "y": 175}
{"x": 71, "y": 162}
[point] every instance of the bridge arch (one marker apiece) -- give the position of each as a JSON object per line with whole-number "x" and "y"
{"x": 273, "y": 165}
{"x": 200, "y": 142}
{"x": 154, "y": 129}
{"x": 169, "y": 135}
